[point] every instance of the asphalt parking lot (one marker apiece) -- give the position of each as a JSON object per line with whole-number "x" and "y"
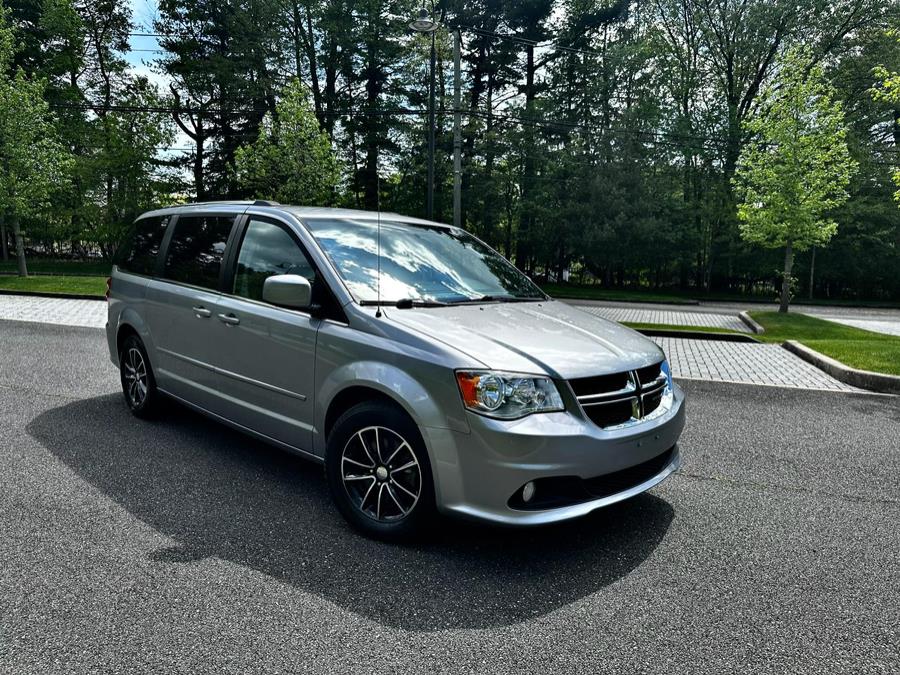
{"x": 180, "y": 546}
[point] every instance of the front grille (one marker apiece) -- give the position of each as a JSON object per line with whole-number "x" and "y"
{"x": 621, "y": 398}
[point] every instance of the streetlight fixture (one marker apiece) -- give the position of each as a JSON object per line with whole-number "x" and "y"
{"x": 425, "y": 23}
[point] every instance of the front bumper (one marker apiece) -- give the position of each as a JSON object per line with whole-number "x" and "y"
{"x": 477, "y": 473}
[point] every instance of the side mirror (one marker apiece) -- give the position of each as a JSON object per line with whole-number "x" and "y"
{"x": 287, "y": 290}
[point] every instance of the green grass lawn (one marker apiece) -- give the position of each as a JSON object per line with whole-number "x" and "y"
{"x": 69, "y": 267}
{"x": 55, "y": 284}
{"x": 854, "y": 347}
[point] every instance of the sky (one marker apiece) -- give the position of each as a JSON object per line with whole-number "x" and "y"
{"x": 141, "y": 57}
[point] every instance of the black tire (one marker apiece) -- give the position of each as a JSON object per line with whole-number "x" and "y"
{"x": 376, "y": 463}
{"x": 136, "y": 375}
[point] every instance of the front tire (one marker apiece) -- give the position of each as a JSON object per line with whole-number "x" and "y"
{"x": 379, "y": 474}
{"x": 136, "y": 375}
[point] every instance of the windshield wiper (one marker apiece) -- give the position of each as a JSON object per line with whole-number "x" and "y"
{"x": 494, "y": 298}
{"x": 403, "y": 303}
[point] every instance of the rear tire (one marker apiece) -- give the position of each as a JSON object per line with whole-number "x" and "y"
{"x": 136, "y": 375}
{"x": 379, "y": 474}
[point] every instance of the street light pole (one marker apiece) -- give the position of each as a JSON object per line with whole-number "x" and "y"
{"x": 429, "y": 200}
{"x": 425, "y": 24}
{"x": 457, "y": 133}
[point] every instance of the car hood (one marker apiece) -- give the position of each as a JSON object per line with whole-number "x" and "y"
{"x": 532, "y": 337}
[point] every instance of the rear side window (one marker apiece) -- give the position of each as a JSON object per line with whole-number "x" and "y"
{"x": 138, "y": 254}
{"x": 267, "y": 250}
{"x": 196, "y": 249}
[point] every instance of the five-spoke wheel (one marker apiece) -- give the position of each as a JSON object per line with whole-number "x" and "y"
{"x": 378, "y": 471}
{"x": 138, "y": 384}
{"x": 135, "y": 374}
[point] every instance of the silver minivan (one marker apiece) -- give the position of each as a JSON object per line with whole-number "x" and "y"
{"x": 418, "y": 365}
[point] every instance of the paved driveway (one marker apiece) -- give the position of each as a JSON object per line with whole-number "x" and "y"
{"x": 179, "y": 546}
{"x": 878, "y": 324}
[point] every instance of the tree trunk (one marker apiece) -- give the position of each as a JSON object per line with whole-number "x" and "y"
{"x": 199, "y": 186}
{"x": 786, "y": 279}
{"x": 20, "y": 247}
{"x": 812, "y": 272}
{"x": 3, "y": 243}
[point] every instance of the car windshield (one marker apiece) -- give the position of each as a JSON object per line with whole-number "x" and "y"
{"x": 438, "y": 265}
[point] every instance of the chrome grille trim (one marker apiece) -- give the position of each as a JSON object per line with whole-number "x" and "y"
{"x": 634, "y": 400}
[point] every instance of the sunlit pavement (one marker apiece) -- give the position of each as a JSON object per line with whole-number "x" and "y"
{"x": 60, "y": 311}
{"x": 745, "y": 363}
{"x": 181, "y": 546}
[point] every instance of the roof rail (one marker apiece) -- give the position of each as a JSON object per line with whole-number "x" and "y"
{"x": 265, "y": 202}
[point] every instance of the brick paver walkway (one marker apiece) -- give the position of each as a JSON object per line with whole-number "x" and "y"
{"x": 744, "y": 362}
{"x": 90, "y": 313}
{"x": 669, "y": 317}
{"x": 694, "y": 359}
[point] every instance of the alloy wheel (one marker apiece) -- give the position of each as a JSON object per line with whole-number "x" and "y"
{"x": 381, "y": 474}
{"x": 136, "y": 380}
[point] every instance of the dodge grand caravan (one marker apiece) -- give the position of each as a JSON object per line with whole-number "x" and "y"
{"x": 419, "y": 366}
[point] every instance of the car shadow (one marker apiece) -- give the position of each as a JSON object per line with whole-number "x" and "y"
{"x": 218, "y": 493}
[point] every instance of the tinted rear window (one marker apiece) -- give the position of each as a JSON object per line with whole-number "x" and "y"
{"x": 138, "y": 254}
{"x": 195, "y": 252}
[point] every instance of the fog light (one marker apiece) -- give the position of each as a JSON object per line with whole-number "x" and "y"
{"x": 528, "y": 491}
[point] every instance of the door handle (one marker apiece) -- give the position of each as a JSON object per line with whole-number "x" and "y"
{"x": 229, "y": 319}
{"x": 202, "y": 313}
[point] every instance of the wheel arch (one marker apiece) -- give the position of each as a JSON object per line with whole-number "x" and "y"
{"x": 131, "y": 323}
{"x": 359, "y": 382}
{"x": 351, "y": 396}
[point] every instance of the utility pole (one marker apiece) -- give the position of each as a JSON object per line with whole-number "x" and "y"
{"x": 429, "y": 204}
{"x": 457, "y": 133}
{"x": 425, "y": 23}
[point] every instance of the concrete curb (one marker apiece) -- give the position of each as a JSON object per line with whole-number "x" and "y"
{"x": 696, "y": 335}
{"x": 864, "y": 379}
{"x": 750, "y": 323}
{"x": 64, "y": 296}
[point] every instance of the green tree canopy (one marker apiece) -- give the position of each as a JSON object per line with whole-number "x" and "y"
{"x": 888, "y": 90}
{"x": 33, "y": 164}
{"x": 797, "y": 167}
{"x": 292, "y": 160}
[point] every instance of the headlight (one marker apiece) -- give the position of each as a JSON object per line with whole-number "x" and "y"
{"x": 668, "y": 371}
{"x": 507, "y": 395}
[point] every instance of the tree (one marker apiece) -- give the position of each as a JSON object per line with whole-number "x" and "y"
{"x": 32, "y": 162}
{"x": 292, "y": 160}
{"x": 222, "y": 59}
{"x": 797, "y": 166}
{"x": 888, "y": 90}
